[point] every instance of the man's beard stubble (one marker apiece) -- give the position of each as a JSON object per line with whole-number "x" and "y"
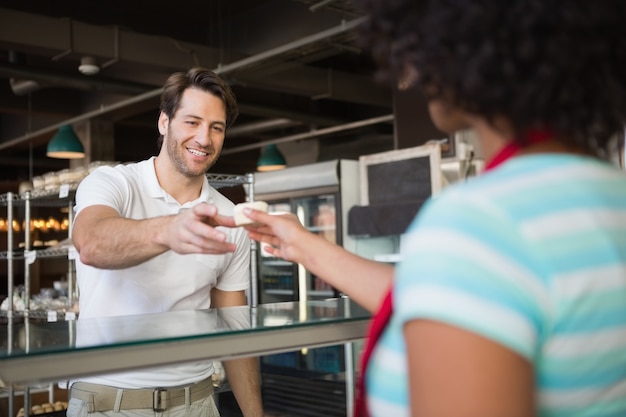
{"x": 175, "y": 153}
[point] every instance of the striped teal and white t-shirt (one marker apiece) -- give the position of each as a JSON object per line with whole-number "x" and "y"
{"x": 533, "y": 256}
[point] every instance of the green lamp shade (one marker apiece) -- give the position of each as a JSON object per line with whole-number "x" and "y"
{"x": 271, "y": 159}
{"x": 65, "y": 144}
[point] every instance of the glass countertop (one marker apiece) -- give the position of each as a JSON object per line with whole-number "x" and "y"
{"x": 34, "y": 350}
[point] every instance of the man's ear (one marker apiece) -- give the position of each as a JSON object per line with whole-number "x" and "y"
{"x": 163, "y": 123}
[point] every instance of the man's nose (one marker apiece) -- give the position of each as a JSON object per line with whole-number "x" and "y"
{"x": 204, "y": 137}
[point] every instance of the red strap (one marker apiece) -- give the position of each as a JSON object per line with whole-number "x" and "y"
{"x": 505, "y": 153}
{"x": 377, "y": 325}
{"x": 511, "y": 148}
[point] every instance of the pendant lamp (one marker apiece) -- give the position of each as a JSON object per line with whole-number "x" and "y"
{"x": 65, "y": 144}
{"x": 271, "y": 159}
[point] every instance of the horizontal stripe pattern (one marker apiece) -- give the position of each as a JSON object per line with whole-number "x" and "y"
{"x": 490, "y": 319}
{"x": 575, "y": 399}
{"x": 425, "y": 245}
{"x": 602, "y": 343}
{"x": 573, "y": 221}
{"x": 532, "y": 256}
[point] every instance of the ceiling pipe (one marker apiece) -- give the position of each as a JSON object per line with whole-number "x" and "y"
{"x": 86, "y": 116}
{"x": 307, "y": 40}
{"x": 78, "y": 81}
{"x": 322, "y": 3}
{"x": 312, "y": 134}
{"x": 273, "y": 112}
{"x": 221, "y": 69}
{"x": 257, "y": 127}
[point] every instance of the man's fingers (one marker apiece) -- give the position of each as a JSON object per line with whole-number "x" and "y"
{"x": 209, "y": 215}
{"x": 205, "y": 210}
{"x": 221, "y": 220}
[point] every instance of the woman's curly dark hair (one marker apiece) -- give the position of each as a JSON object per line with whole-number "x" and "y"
{"x": 542, "y": 64}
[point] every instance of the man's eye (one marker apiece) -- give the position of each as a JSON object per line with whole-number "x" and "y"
{"x": 218, "y": 129}
{"x": 192, "y": 123}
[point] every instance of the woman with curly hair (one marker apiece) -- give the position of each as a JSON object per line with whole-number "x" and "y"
{"x": 510, "y": 298}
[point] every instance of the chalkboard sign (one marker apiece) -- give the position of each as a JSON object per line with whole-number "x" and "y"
{"x": 403, "y": 180}
{"x": 394, "y": 186}
{"x": 411, "y": 174}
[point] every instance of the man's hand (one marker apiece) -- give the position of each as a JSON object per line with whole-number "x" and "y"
{"x": 106, "y": 240}
{"x": 194, "y": 231}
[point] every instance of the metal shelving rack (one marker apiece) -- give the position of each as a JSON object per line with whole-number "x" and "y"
{"x": 62, "y": 197}
{"x": 48, "y": 198}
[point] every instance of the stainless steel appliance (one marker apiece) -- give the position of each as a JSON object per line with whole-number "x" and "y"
{"x": 321, "y": 195}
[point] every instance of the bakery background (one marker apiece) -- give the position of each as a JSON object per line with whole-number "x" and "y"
{"x": 301, "y": 80}
{"x": 299, "y": 75}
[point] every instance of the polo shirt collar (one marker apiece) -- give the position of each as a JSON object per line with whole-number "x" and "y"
{"x": 148, "y": 171}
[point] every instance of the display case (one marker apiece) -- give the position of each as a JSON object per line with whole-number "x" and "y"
{"x": 35, "y": 351}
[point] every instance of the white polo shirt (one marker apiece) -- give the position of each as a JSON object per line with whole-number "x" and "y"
{"x": 167, "y": 282}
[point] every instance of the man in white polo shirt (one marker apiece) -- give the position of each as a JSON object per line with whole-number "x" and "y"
{"x": 150, "y": 240}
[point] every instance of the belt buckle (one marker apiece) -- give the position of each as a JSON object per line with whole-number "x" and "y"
{"x": 159, "y": 400}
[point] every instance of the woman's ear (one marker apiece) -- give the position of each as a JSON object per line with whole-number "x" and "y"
{"x": 408, "y": 78}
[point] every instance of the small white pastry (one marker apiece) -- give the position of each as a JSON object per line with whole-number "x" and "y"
{"x": 240, "y": 218}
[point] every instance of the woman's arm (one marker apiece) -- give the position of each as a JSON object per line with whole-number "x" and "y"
{"x": 456, "y": 373}
{"x": 363, "y": 280}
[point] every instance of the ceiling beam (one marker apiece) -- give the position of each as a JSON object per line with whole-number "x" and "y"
{"x": 63, "y": 38}
{"x": 242, "y": 64}
{"x": 314, "y": 133}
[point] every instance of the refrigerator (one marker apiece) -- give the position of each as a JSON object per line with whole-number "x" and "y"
{"x": 320, "y": 194}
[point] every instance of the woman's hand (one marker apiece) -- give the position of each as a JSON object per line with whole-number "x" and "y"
{"x": 282, "y": 233}
{"x": 364, "y": 280}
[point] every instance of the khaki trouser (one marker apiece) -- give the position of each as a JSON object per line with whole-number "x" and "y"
{"x": 102, "y": 401}
{"x": 201, "y": 408}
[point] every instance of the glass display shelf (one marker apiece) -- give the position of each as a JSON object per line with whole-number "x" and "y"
{"x": 36, "y": 351}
